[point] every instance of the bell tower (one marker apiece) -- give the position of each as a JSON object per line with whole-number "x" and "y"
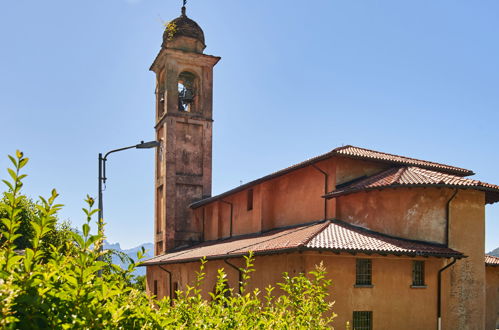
{"x": 184, "y": 91}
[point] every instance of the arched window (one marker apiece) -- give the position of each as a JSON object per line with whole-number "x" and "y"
{"x": 186, "y": 91}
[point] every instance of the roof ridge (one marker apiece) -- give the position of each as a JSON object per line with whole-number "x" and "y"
{"x": 449, "y": 167}
{"x": 308, "y": 239}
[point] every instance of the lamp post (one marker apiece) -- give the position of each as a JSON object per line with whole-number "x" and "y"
{"x": 102, "y": 178}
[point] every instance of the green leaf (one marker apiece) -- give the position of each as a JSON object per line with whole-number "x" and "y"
{"x": 86, "y": 229}
{"x": 77, "y": 238}
{"x": 23, "y": 162}
{"x": 13, "y": 160}
{"x": 12, "y": 174}
{"x": 8, "y": 184}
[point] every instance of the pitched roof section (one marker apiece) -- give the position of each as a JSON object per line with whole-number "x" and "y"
{"x": 334, "y": 236}
{"x": 417, "y": 177}
{"x": 274, "y": 241}
{"x": 491, "y": 260}
{"x": 345, "y": 151}
{"x": 340, "y": 236}
{"x": 362, "y": 153}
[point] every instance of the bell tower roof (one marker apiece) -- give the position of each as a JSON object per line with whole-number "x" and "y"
{"x": 182, "y": 26}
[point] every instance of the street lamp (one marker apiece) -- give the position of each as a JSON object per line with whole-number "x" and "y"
{"x": 102, "y": 177}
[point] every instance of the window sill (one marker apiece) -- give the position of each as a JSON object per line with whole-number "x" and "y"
{"x": 363, "y": 286}
{"x": 419, "y": 286}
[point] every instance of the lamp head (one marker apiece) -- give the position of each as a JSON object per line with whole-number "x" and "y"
{"x": 147, "y": 145}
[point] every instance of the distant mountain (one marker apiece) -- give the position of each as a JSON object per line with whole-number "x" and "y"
{"x": 494, "y": 252}
{"x": 132, "y": 253}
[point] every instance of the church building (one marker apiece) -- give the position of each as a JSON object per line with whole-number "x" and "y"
{"x": 401, "y": 238}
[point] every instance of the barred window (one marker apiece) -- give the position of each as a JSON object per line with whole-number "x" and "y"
{"x": 363, "y": 320}
{"x": 363, "y": 273}
{"x": 418, "y": 273}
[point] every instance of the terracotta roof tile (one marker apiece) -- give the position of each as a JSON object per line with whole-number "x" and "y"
{"x": 345, "y": 151}
{"x": 383, "y": 156}
{"x": 414, "y": 176}
{"x": 491, "y": 260}
{"x": 334, "y": 236}
{"x": 340, "y": 236}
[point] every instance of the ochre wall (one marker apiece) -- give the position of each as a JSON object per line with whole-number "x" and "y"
{"x": 348, "y": 169}
{"x": 394, "y": 303}
{"x": 287, "y": 200}
{"x": 413, "y": 213}
{"x": 492, "y": 294}
{"x": 465, "y": 304}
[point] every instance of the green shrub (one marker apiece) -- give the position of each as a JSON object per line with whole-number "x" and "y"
{"x": 62, "y": 281}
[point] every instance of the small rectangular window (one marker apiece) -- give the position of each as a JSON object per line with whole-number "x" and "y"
{"x": 363, "y": 320}
{"x": 155, "y": 291}
{"x": 363, "y": 272}
{"x": 418, "y": 273}
{"x": 250, "y": 200}
{"x": 175, "y": 290}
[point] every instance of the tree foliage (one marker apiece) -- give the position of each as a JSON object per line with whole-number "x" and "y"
{"x": 62, "y": 282}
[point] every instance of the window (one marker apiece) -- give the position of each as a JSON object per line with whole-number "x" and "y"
{"x": 250, "y": 200}
{"x": 186, "y": 91}
{"x": 363, "y": 272}
{"x": 175, "y": 290}
{"x": 155, "y": 288}
{"x": 363, "y": 320}
{"x": 418, "y": 273}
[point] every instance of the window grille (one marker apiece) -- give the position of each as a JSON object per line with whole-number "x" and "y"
{"x": 363, "y": 274}
{"x": 418, "y": 273}
{"x": 363, "y": 320}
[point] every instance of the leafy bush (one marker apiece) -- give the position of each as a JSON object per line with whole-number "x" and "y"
{"x": 67, "y": 285}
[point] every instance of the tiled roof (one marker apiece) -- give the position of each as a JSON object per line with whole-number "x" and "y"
{"x": 413, "y": 177}
{"x": 345, "y": 151}
{"x": 333, "y": 235}
{"x": 491, "y": 260}
{"x": 362, "y": 153}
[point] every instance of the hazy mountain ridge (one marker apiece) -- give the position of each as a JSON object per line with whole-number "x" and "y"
{"x": 132, "y": 253}
{"x": 494, "y": 253}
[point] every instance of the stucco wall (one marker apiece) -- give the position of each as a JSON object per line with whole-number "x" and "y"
{"x": 465, "y": 281}
{"x": 287, "y": 200}
{"x": 492, "y": 296}
{"x": 413, "y": 213}
{"x": 394, "y": 303}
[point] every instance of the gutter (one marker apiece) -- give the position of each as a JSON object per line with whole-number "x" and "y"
{"x": 326, "y": 177}
{"x": 439, "y": 294}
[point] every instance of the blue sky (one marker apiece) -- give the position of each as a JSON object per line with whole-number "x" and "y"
{"x": 296, "y": 79}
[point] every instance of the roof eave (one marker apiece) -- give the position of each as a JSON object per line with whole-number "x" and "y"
{"x": 304, "y": 248}
{"x": 393, "y": 186}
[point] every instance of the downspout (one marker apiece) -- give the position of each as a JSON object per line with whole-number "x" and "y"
{"x": 326, "y": 177}
{"x": 447, "y": 217}
{"x": 204, "y": 224}
{"x": 231, "y": 212}
{"x": 238, "y": 271}
{"x": 439, "y": 294}
{"x": 170, "y": 283}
